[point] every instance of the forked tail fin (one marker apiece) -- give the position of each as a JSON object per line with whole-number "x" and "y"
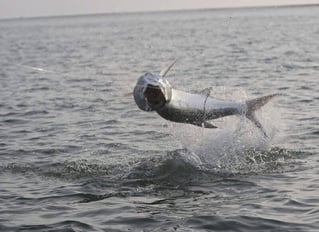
{"x": 254, "y": 105}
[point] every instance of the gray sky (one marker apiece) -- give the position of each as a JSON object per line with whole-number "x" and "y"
{"x": 30, "y": 8}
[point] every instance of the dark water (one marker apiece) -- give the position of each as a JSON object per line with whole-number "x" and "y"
{"x": 78, "y": 155}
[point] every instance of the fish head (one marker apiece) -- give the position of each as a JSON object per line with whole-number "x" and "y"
{"x": 151, "y": 92}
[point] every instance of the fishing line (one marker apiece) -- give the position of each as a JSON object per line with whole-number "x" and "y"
{"x": 204, "y": 109}
{"x": 48, "y": 71}
{"x": 35, "y": 68}
{"x": 43, "y": 70}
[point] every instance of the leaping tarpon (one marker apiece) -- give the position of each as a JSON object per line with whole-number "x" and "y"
{"x": 153, "y": 92}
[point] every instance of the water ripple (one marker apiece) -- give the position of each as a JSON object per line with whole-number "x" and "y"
{"x": 78, "y": 155}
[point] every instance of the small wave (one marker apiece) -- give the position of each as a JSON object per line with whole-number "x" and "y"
{"x": 9, "y": 114}
{"x": 175, "y": 168}
{"x": 69, "y": 170}
{"x": 183, "y": 167}
{"x": 244, "y": 223}
{"x": 79, "y": 80}
{"x": 35, "y": 112}
{"x": 40, "y": 88}
{"x": 15, "y": 121}
{"x": 67, "y": 225}
{"x": 315, "y": 132}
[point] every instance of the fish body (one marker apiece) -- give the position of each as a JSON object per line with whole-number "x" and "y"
{"x": 154, "y": 93}
{"x": 197, "y": 109}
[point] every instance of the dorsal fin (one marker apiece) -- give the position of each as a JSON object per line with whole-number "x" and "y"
{"x": 205, "y": 91}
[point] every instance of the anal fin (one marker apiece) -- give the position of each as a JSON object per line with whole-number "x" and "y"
{"x": 209, "y": 125}
{"x": 204, "y": 125}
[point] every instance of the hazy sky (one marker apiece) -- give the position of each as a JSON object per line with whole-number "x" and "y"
{"x": 29, "y": 8}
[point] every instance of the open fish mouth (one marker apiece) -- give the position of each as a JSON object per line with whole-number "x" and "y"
{"x": 154, "y": 96}
{"x": 151, "y": 92}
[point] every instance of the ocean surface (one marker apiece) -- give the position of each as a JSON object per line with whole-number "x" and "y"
{"x": 76, "y": 154}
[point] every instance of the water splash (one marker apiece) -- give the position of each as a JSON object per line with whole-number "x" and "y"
{"x": 227, "y": 147}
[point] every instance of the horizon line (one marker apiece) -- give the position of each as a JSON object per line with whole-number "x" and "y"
{"x": 159, "y": 11}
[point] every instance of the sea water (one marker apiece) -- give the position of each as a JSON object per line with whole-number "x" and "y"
{"x": 78, "y": 155}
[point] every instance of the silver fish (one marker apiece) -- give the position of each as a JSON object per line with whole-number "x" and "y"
{"x": 154, "y": 93}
